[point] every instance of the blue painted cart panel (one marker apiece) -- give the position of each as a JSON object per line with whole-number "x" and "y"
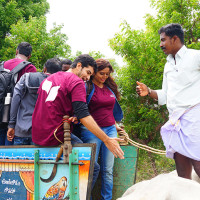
{"x": 17, "y": 173}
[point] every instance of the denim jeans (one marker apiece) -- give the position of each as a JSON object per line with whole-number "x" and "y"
{"x": 106, "y": 158}
{"x": 3, "y": 137}
{"x": 23, "y": 141}
{"x": 76, "y": 140}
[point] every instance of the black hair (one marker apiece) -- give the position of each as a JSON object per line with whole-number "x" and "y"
{"x": 86, "y": 60}
{"x": 24, "y": 48}
{"x": 173, "y": 29}
{"x": 52, "y": 65}
{"x": 66, "y": 62}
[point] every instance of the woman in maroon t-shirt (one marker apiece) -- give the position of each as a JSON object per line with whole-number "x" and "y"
{"x": 101, "y": 107}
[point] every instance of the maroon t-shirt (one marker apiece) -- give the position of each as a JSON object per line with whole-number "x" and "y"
{"x": 55, "y": 97}
{"x": 101, "y": 106}
{"x": 10, "y": 64}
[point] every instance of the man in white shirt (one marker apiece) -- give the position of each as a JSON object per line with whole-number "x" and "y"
{"x": 180, "y": 92}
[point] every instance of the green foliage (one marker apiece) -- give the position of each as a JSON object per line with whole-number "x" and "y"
{"x": 96, "y": 54}
{"x": 45, "y": 45}
{"x": 145, "y": 62}
{"x": 183, "y": 12}
{"x": 143, "y": 57}
{"x": 152, "y": 165}
{"x": 11, "y": 11}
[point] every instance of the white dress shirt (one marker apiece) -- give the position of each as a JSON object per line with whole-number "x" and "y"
{"x": 181, "y": 80}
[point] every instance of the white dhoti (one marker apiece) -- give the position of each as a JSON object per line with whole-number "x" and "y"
{"x": 182, "y": 133}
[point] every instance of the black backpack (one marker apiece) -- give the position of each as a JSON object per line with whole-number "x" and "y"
{"x": 7, "y": 84}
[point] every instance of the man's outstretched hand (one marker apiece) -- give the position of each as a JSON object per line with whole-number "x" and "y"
{"x": 142, "y": 89}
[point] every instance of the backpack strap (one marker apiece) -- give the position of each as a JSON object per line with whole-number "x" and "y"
{"x": 91, "y": 93}
{"x": 17, "y": 69}
{"x": 2, "y": 78}
{"x": 20, "y": 66}
{"x": 117, "y": 110}
{"x": 1, "y": 66}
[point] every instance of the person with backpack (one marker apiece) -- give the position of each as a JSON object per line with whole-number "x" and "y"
{"x": 17, "y": 66}
{"x": 102, "y": 96}
{"x": 23, "y": 103}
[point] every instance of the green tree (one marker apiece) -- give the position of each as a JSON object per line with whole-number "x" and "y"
{"x": 45, "y": 45}
{"x": 11, "y": 11}
{"x": 183, "y": 12}
{"x": 145, "y": 62}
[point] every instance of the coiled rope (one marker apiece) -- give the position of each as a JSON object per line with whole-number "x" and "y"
{"x": 63, "y": 121}
{"x": 124, "y": 135}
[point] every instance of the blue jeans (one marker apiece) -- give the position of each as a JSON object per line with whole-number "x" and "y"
{"x": 23, "y": 141}
{"x": 76, "y": 140}
{"x": 3, "y": 137}
{"x": 106, "y": 158}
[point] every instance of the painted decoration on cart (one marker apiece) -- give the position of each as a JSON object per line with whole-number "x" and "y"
{"x": 17, "y": 174}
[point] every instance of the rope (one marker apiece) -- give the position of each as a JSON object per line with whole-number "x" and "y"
{"x": 63, "y": 121}
{"x": 126, "y": 138}
{"x": 141, "y": 146}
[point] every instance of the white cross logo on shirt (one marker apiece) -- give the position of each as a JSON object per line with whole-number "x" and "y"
{"x": 51, "y": 91}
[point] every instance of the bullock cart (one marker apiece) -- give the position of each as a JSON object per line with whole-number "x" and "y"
{"x": 64, "y": 172}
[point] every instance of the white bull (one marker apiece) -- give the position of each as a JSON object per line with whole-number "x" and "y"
{"x": 165, "y": 187}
